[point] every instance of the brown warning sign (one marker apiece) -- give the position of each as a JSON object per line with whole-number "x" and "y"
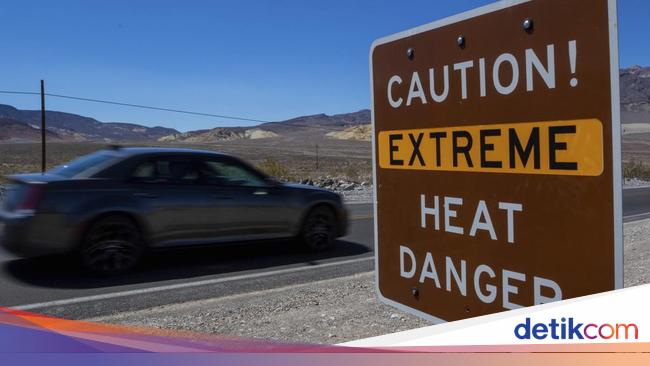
{"x": 496, "y": 149}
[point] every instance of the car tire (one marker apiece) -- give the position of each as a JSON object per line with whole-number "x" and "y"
{"x": 319, "y": 229}
{"x": 112, "y": 245}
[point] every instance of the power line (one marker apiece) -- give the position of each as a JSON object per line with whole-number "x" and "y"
{"x": 158, "y": 108}
{"x": 139, "y": 106}
{"x": 165, "y": 109}
{"x": 18, "y": 92}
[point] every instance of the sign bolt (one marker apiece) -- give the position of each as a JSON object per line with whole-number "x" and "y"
{"x": 410, "y": 53}
{"x": 415, "y": 292}
{"x": 460, "y": 41}
{"x": 528, "y": 25}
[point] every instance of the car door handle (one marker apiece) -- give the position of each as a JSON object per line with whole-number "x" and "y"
{"x": 145, "y": 195}
{"x": 260, "y": 192}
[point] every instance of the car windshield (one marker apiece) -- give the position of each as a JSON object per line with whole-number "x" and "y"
{"x": 86, "y": 164}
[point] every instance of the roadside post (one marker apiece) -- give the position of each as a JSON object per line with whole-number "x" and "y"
{"x": 496, "y": 159}
{"x": 43, "y": 164}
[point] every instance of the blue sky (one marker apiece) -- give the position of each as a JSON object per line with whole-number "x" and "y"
{"x": 269, "y": 60}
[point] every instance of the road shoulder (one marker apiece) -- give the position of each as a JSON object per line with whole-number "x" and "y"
{"x": 329, "y": 311}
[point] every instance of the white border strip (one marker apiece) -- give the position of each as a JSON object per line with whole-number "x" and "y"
{"x": 616, "y": 144}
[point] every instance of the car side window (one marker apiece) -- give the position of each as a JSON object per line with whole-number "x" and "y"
{"x": 167, "y": 170}
{"x": 230, "y": 174}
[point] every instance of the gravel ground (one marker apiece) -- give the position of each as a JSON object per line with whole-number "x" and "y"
{"x": 637, "y": 253}
{"x": 635, "y": 182}
{"x": 330, "y": 311}
{"x": 358, "y": 195}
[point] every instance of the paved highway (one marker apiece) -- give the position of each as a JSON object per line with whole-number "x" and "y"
{"x": 636, "y": 204}
{"x": 54, "y": 285}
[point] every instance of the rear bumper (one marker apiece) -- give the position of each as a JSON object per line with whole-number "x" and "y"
{"x": 27, "y": 235}
{"x": 13, "y": 229}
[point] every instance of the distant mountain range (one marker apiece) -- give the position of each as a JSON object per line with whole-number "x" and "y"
{"x": 317, "y": 125}
{"x": 73, "y": 127}
{"x": 24, "y": 125}
{"x": 635, "y": 89}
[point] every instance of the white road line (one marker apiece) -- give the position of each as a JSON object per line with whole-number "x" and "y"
{"x": 149, "y": 290}
{"x": 636, "y": 187}
{"x": 357, "y": 203}
{"x": 646, "y": 214}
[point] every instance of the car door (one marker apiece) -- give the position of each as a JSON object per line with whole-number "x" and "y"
{"x": 174, "y": 195}
{"x": 248, "y": 206}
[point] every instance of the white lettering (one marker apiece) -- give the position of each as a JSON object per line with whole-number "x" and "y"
{"x": 505, "y": 57}
{"x": 547, "y": 73}
{"x": 538, "y": 283}
{"x": 491, "y": 289}
{"x": 410, "y": 273}
{"x": 482, "y": 211}
{"x": 510, "y": 209}
{"x": 449, "y": 213}
{"x": 463, "y": 66}
{"x": 445, "y": 86}
{"x": 394, "y": 103}
{"x": 460, "y": 279}
{"x": 429, "y": 270}
{"x": 510, "y": 289}
{"x": 416, "y": 90}
{"x": 424, "y": 211}
{"x": 481, "y": 71}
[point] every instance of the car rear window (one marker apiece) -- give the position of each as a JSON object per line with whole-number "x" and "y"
{"x": 85, "y": 165}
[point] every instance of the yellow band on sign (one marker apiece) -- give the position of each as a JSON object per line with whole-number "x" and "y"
{"x": 573, "y": 147}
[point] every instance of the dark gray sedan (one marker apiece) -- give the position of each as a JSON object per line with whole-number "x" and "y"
{"x": 109, "y": 207}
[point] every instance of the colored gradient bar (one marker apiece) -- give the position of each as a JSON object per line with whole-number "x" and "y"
{"x": 33, "y": 339}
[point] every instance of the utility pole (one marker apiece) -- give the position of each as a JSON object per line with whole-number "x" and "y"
{"x": 42, "y": 127}
{"x": 316, "y": 156}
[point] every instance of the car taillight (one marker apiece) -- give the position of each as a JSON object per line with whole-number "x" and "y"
{"x": 31, "y": 198}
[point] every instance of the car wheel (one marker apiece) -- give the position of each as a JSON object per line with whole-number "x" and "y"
{"x": 112, "y": 245}
{"x": 319, "y": 229}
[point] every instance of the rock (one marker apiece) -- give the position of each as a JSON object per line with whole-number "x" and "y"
{"x": 347, "y": 186}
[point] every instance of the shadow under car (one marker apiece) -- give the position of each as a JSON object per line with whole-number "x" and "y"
{"x": 62, "y": 271}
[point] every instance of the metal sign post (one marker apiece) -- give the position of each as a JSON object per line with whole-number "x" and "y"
{"x": 43, "y": 165}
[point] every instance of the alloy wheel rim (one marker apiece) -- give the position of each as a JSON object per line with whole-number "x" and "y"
{"x": 320, "y": 231}
{"x": 112, "y": 248}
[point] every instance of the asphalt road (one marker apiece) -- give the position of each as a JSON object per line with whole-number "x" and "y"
{"x": 636, "y": 204}
{"x": 55, "y": 285}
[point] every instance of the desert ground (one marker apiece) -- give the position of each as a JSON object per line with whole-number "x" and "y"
{"x": 291, "y": 160}
{"x": 288, "y": 159}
